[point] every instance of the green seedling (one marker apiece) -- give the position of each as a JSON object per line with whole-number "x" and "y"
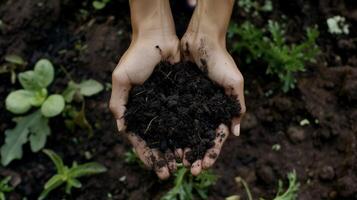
{"x": 130, "y": 157}
{"x": 100, "y": 4}
{"x": 68, "y": 176}
{"x": 270, "y": 45}
{"x": 12, "y": 62}
{"x": 289, "y": 194}
{"x": 188, "y": 186}
{"x": 77, "y": 92}
{"x": 34, "y": 127}
{"x": 252, "y": 6}
{"x": 5, "y": 187}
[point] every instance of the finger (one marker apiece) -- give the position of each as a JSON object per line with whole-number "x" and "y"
{"x": 213, "y": 153}
{"x": 178, "y": 155}
{"x": 160, "y": 165}
{"x": 196, "y": 167}
{"x": 235, "y": 88}
{"x": 119, "y": 97}
{"x": 171, "y": 161}
{"x": 185, "y": 162}
{"x": 151, "y": 158}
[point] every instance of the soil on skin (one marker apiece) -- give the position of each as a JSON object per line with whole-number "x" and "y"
{"x": 323, "y": 152}
{"x": 179, "y": 107}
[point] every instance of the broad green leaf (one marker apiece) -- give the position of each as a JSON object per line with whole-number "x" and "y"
{"x": 70, "y": 91}
{"x": 86, "y": 169}
{"x": 15, "y": 59}
{"x": 50, "y": 185}
{"x": 53, "y": 105}
{"x": 28, "y": 80}
{"x": 56, "y": 159}
{"x": 15, "y": 138}
{"x": 19, "y": 101}
{"x": 90, "y": 87}
{"x": 44, "y": 72}
{"x": 39, "y": 133}
{"x": 98, "y": 5}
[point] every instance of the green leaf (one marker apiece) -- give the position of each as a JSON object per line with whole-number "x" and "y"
{"x": 39, "y": 132}
{"x": 53, "y": 105}
{"x": 70, "y": 91}
{"x": 75, "y": 183}
{"x": 15, "y": 138}
{"x": 86, "y": 169}
{"x": 80, "y": 120}
{"x": 50, "y": 185}
{"x": 44, "y": 72}
{"x": 28, "y": 80}
{"x": 98, "y": 5}
{"x": 14, "y": 59}
{"x": 19, "y": 101}
{"x": 56, "y": 159}
{"x": 90, "y": 87}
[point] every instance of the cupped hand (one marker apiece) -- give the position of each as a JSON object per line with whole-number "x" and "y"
{"x": 135, "y": 66}
{"x": 211, "y": 56}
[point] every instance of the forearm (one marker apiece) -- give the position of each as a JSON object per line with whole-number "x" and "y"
{"x": 212, "y": 17}
{"x": 150, "y": 16}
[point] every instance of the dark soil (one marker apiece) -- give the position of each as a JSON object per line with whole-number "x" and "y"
{"x": 323, "y": 153}
{"x": 179, "y": 107}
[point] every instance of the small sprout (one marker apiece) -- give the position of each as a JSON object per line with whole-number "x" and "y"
{"x": 316, "y": 121}
{"x": 304, "y": 122}
{"x": 291, "y": 192}
{"x": 68, "y": 175}
{"x": 337, "y": 25}
{"x": 100, "y": 4}
{"x": 276, "y": 147}
{"x": 188, "y": 186}
{"x": 5, "y": 187}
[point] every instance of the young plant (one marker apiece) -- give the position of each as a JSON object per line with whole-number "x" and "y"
{"x": 12, "y": 62}
{"x": 289, "y": 194}
{"x": 5, "y": 187}
{"x": 100, "y": 4}
{"x": 270, "y": 45}
{"x": 68, "y": 176}
{"x": 32, "y": 127}
{"x": 186, "y": 185}
{"x": 254, "y": 6}
{"x": 76, "y": 92}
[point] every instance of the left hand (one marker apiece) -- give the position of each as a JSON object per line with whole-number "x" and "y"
{"x": 211, "y": 55}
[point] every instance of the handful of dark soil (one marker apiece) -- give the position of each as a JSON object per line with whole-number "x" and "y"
{"x": 179, "y": 107}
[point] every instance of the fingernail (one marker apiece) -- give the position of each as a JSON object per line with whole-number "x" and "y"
{"x": 236, "y": 130}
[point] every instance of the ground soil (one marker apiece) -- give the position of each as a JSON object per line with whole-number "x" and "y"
{"x": 89, "y": 44}
{"x": 178, "y": 107}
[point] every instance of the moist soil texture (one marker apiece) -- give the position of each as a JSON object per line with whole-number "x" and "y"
{"x": 86, "y": 43}
{"x": 179, "y": 107}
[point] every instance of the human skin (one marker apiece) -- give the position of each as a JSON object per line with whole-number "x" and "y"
{"x": 154, "y": 40}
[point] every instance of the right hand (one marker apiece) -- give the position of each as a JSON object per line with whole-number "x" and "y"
{"x": 134, "y": 68}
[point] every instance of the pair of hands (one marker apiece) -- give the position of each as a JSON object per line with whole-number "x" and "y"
{"x": 138, "y": 63}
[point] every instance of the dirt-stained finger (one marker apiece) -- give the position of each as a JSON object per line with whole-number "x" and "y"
{"x": 196, "y": 167}
{"x": 171, "y": 161}
{"x": 212, "y": 154}
{"x": 185, "y": 162}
